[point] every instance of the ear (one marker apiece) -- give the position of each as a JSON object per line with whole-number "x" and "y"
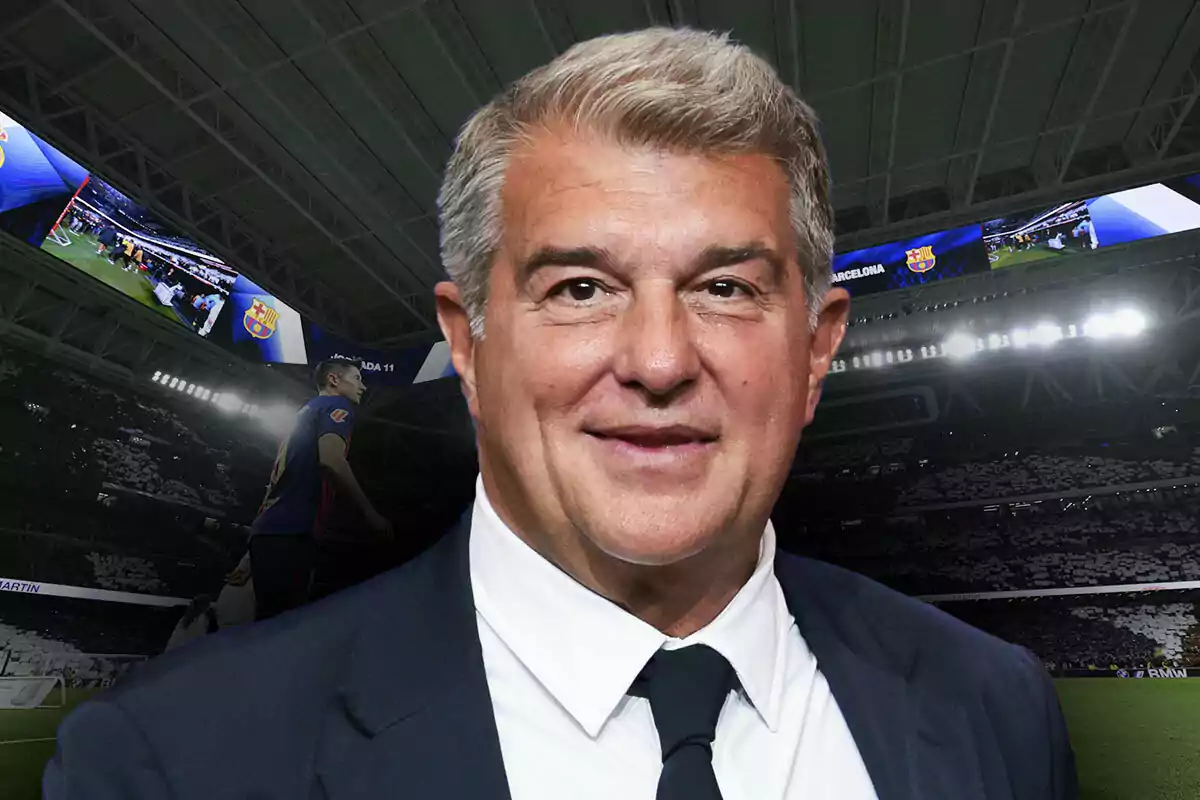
{"x": 456, "y": 327}
{"x": 826, "y": 339}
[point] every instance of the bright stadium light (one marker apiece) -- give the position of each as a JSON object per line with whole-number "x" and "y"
{"x": 191, "y": 389}
{"x": 228, "y": 402}
{"x": 1129, "y": 321}
{"x": 166, "y": 379}
{"x": 876, "y": 359}
{"x": 1046, "y": 334}
{"x": 1021, "y": 338}
{"x": 959, "y": 345}
{"x": 157, "y": 375}
{"x": 1125, "y": 322}
{"x": 1100, "y": 326}
{"x": 278, "y": 419}
{"x": 174, "y": 382}
{"x": 994, "y": 341}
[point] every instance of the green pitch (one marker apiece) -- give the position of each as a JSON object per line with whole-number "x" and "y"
{"x": 81, "y": 254}
{"x": 27, "y": 743}
{"x": 1133, "y": 739}
{"x": 1039, "y": 253}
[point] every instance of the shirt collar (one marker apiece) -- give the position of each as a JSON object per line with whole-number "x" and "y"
{"x": 586, "y": 651}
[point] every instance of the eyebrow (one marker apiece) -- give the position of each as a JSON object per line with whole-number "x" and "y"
{"x": 712, "y": 257}
{"x": 715, "y": 257}
{"x": 565, "y": 257}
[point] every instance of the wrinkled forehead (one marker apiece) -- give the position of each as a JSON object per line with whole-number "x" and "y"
{"x": 575, "y": 190}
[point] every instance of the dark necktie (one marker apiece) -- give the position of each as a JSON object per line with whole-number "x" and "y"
{"x": 686, "y": 689}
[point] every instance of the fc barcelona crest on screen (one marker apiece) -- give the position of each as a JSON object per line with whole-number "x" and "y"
{"x": 260, "y": 320}
{"x": 921, "y": 259}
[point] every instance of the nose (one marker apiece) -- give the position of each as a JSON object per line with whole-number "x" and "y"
{"x": 655, "y": 348}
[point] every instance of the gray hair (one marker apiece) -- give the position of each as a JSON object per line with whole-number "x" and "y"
{"x": 677, "y": 89}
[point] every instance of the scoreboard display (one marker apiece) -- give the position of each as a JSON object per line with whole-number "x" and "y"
{"x": 911, "y": 262}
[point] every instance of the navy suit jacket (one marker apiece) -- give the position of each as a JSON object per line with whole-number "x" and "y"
{"x": 380, "y": 692}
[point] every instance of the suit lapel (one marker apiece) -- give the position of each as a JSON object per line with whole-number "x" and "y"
{"x": 874, "y": 699}
{"x": 915, "y": 739}
{"x": 414, "y": 716}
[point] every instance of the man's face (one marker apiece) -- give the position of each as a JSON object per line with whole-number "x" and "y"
{"x": 647, "y": 365}
{"x": 349, "y": 384}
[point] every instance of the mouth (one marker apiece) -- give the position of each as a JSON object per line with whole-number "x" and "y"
{"x": 655, "y": 438}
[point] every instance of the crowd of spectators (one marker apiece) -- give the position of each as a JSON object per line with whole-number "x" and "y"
{"x": 1102, "y": 632}
{"x": 103, "y": 487}
{"x": 1140, "y": 537}
{"x": 88, "y": 643}
{"x": 1106, "y": 498}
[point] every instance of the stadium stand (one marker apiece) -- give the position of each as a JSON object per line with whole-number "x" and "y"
{"x": 1078, "y": 501}
{"x": 102, "y": 488}
{"x": 81, "y": 640}
{"x": 1096, "y": 632}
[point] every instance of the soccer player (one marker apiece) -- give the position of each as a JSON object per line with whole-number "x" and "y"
{"x": 310, "y": 464}
{"x": 1087, "y": 231}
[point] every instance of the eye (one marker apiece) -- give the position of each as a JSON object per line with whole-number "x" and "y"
{"x": 578, "y": 290}
{"x": 727, "y": 289}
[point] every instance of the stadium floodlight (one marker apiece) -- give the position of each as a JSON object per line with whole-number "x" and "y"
{"x": 228, "y": 402}
{"x": 157, "y": 375}
{"x": 191, "y": 389}
{"x": 278, "y": 419}
{"x": 1129, "y": 321}
{"x": 1100, "y": 326}
{"x": 174, "y": 383}
{"x": 857, "y": 362}
{"x": 1125, "y": 322}
{"x": 876, "y": 359}
{"x": 959, "y": 345}
{"x": 1046, "y": 334}
{"x": 1021, "y": 338}
{"x": 166, "y": 379}
{"x": 994, "y": 342}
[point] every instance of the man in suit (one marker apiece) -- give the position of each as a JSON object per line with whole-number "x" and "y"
{"x": 639, "y": 237}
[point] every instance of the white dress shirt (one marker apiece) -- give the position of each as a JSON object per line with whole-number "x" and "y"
{"x": 560, "y": 658}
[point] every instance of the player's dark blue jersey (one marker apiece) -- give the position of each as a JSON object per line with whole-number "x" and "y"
{"x": 299, "y": 494}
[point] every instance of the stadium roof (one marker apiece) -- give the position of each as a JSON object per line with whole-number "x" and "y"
{"x": 303, "y": 140}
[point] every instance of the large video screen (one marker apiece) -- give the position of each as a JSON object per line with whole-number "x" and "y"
{"x": 258, "y": 326}
{"x": 1054, "y": 232}
{"x": 384, "y": 367}
{"x": 52, "y": 202}
{"x": 898, "y": 265}
{"x": 1145, "y": 212}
